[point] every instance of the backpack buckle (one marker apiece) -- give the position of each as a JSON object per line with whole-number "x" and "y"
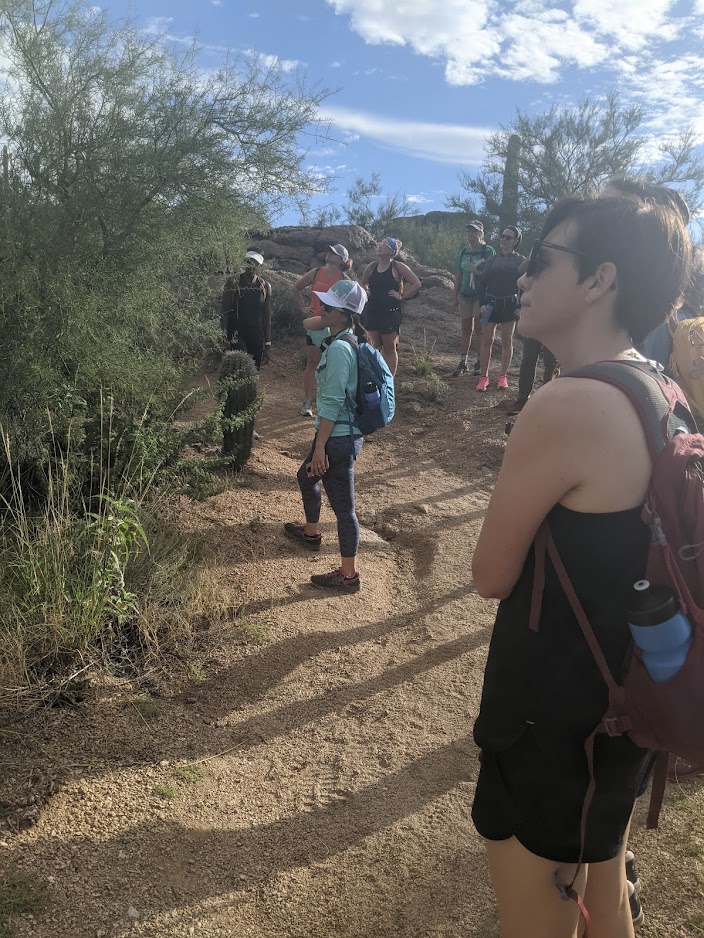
{"x": 616, "y": 726}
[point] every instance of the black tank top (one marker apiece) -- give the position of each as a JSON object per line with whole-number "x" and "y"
{"x": 249, "y": 303}
{"x": 549, "y": 677}
{"x": 379, "y": 285}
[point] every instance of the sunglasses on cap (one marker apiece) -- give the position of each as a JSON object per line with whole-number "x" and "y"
{"x": 533, "y": 267}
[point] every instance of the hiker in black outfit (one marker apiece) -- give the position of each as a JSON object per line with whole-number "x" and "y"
{"x": 603, "y": 274}
{"x": 388, "y": 283}
{"x": 246, "y": 310}
{"x": 499, "y": 304}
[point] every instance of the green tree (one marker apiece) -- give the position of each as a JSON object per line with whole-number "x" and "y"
{"x": 365, "y": 205}
{"x": 129, "y": 176}
{"x": 573, "y": 150}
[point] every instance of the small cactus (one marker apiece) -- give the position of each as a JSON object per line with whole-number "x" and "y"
{"x": 238, "y": 394}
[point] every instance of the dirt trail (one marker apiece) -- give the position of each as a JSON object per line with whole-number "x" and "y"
{"x": 320, "y": 782}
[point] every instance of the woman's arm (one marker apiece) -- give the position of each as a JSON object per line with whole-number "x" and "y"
{"x": 409, "y": 278}
{"x": 542, "y": 463}
{"x": 456, "y": 288}
{"x": 366, "y": 275}
{"x": 312, "y": 323}
{"x": 305, "y": 281}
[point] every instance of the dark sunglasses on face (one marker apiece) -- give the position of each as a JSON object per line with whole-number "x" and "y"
{"x": 534, "y": 265}
{"x": 507, "y": 238}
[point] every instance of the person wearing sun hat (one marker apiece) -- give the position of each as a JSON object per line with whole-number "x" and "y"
{"x": 337, "y": 443}
{"x": 337, "y": 263}
{"x": 246, "y": 310}
{"x": 467, "y": 292}
{"x": 388, "y": 283}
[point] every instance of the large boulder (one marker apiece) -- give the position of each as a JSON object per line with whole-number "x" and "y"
{"x": 354, "y": 238}
{"x": 295, "y": 236}
{"x": 271, "y": 249}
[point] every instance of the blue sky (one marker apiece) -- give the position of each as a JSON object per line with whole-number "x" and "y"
{"x": 421, "y": 83}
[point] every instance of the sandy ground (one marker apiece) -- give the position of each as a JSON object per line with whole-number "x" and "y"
{"x": 316, "y": 781}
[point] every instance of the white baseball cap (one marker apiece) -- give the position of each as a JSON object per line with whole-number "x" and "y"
{"x": 254, "y": 256}
{"x": 345, "y": 294}
{"x": 340, "y": 250}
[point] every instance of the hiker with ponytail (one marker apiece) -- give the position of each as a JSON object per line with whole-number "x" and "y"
{"x": 337, "y": 442}
{"x": 320, "y": 279}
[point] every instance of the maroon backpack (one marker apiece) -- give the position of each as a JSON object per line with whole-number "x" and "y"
{"x": 666, "y": 717}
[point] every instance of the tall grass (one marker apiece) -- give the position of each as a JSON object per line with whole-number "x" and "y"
{"x": 87, "y": 578}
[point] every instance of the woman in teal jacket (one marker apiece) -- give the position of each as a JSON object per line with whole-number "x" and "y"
{"x": 337, "y": 441}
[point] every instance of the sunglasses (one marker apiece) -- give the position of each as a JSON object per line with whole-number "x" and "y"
{"x": 507, "y": 238}
{"x": 534, "y": 264}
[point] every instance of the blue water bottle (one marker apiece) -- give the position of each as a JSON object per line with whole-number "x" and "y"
{"x": 659, "y": 629}
{"x": 372, "y": 396}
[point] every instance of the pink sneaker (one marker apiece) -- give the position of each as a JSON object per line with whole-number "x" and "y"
{"x": 502, "y": 383}
{"x": 483, "y": 383}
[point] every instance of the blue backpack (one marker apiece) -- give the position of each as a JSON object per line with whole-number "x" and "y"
{"x": 371, "y": 368}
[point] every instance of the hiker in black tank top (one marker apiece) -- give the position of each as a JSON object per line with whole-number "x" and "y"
{"x": 577, "y": 460}
{"x": 246, "y": 310}
{"x": 388, "y": 282}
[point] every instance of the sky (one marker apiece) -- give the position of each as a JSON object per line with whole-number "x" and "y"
{"x": 419, "y": 84}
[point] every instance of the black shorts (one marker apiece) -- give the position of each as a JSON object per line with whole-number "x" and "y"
{"x": 504, "y": 309}
{"x": 535, "y": 791}
{"x": 385, "y": 321}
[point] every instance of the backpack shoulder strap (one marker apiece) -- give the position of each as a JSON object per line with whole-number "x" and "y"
{"x": 350, "y": 339}
{"x": 657, "y": 401}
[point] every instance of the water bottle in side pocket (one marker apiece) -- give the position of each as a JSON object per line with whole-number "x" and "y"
{"x": 660, "y": 629}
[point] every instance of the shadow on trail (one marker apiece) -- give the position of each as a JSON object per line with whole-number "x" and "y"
{"x": 291, "y": 717}
{"x": 200, "y": 863}
{"x": 255, "y": 675}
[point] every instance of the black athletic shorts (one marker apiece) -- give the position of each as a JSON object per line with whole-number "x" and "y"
{"x": 535, "y": 791}
{"x": 504, "y": 309}
{"x": 385, "y": 321}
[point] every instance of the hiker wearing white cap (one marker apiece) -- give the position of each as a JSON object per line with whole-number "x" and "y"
{"x": 337, "y": 263}
{"x": 246, "y": 310}
{"x": 337, "y": 441}
{"x": 468, "y": 290}
{"x": 388, "y": 283}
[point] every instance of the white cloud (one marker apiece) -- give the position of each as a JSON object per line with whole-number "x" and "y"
{"x": 273, "y": 61}
{"x": 336, "y": 64}
{"x": 216, "y": 3}
{"x": 441, "y": 143}
{"x": 320, "y": 173}
{"x": 253, "y": 16}
{"x": 419, "y": 199}
{"x": 519, "y": 39}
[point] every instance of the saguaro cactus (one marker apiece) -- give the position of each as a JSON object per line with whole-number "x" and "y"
{"x": 238, "y": 393}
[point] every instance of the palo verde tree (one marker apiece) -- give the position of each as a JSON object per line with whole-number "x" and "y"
{"x": 365, "y": 205}
{"x": 128, "y": 176}
{"x": 573, "y": 150}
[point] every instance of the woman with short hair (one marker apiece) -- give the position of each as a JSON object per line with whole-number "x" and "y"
{"x": 603, "y": 274}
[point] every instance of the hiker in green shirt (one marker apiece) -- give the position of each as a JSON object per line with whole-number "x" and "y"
{"x": 468, "y": 291}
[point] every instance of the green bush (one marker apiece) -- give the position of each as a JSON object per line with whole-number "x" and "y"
{"x": 436, "y": 245}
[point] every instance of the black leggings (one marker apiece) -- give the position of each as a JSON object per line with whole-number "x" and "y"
{"x": 250, "y": 337}
{"x": 338, "y": 482}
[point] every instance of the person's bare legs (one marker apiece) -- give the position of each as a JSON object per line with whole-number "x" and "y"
{"x": 466, "y": 339}
{"x": 530, "y": 905}
{"x": 507, "y": 330}
{"x": 606, "y": 897}
{"x": 376, "y": 338}
{"x": 487, "y": 343}
{"x": 478, "y": 330}
{"x": 313, "y": 354}
{"x": 390, "y": 350}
